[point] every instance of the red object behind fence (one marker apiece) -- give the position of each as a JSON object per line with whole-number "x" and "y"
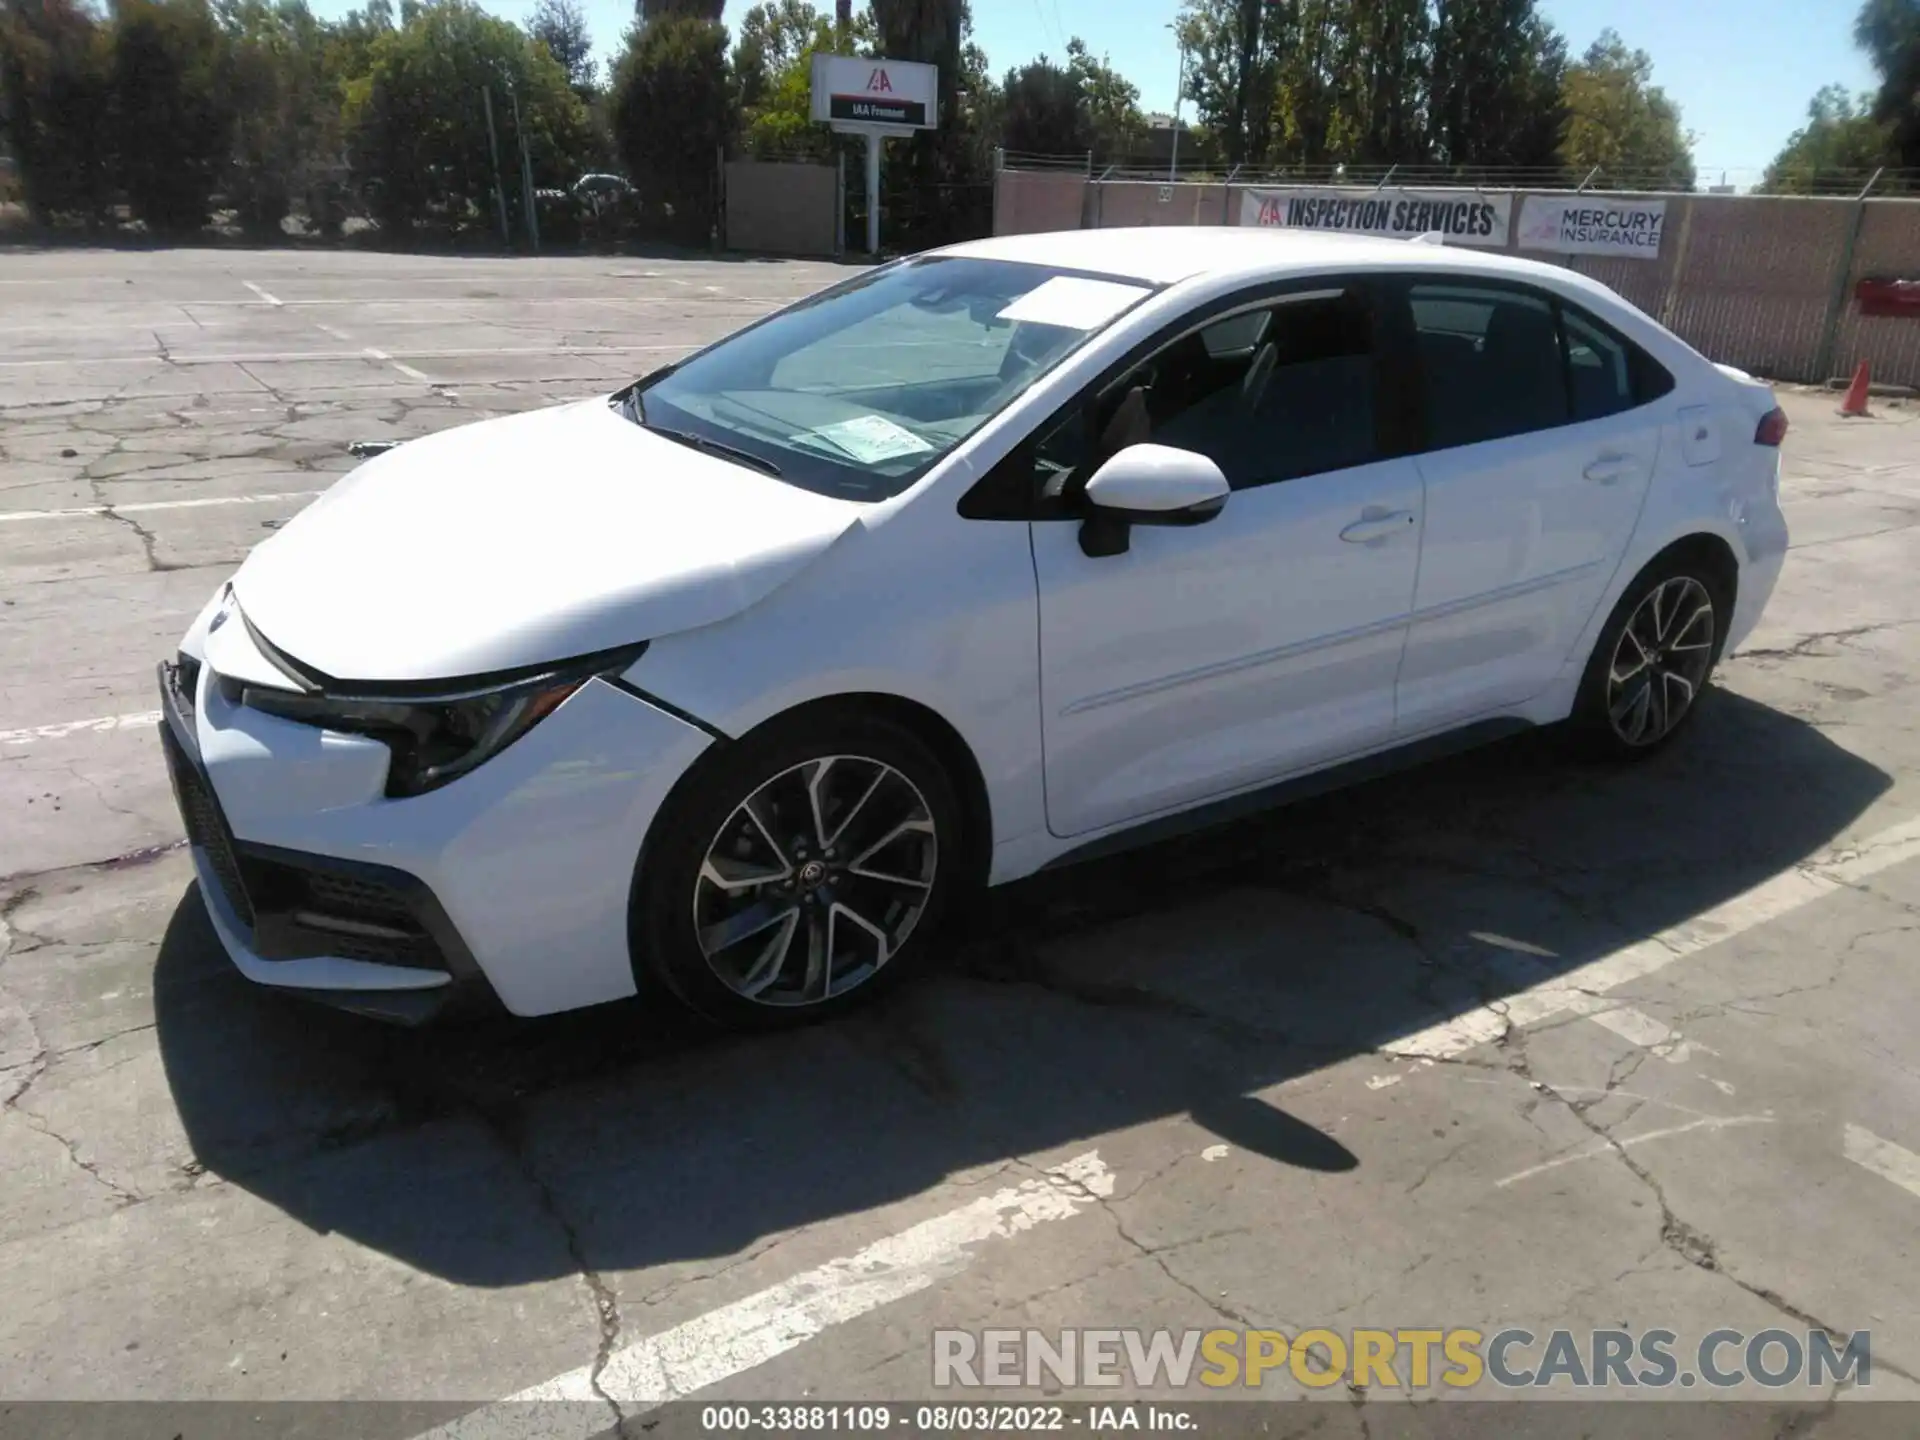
{"x": 1888, "y": 297}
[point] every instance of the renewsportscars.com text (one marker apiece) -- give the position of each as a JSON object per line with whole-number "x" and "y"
{"x": 1420, "y": 1359}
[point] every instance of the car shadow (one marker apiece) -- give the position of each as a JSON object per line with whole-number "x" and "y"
{"x": 1179, "y": 980}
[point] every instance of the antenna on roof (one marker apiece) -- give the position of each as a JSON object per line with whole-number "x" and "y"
{"x": 1429, "y": 237}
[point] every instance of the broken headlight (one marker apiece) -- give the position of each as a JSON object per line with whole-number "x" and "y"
{"x": 439, "y": 731}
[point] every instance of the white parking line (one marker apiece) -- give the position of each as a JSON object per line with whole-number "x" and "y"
{"x": 1637, "y": 1027}
{"x": 270, "y": 299}
{"x": 722, "y": 1343}
{"x": 1576, "y": 990}
{"x": 1884, "y": 1158}
{"x": 12, "y": 517}
{"x": 279, "y": 357}
{"x": 1607, "y": 1147}
{"x": 385, "y": 358}
{"x": 101, "y": 726}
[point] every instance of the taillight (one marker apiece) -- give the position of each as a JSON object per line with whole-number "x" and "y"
{"x": 1773, "y": 428}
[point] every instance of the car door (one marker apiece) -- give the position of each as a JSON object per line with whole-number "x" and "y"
{"x": 1535, "y": 470}
{"x": 1209, "y": 658}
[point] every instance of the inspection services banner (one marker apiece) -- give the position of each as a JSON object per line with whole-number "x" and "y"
{"x": 1588, "y": 225}
{"x": 1464, "y": 217}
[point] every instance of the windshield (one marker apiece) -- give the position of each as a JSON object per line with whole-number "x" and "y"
{"x": 857, "y": 391}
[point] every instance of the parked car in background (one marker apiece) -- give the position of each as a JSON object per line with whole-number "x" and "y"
{"x": 602, "y": 192}
{"x": 731, "y": 685}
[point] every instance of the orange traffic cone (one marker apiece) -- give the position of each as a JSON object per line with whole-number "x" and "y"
{"x": 1855, "y": 402}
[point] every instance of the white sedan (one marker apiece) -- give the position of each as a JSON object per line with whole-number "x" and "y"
{"x": 986, "y": 560}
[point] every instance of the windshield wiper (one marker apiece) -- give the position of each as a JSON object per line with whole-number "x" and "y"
{"x": 712, "y": 447}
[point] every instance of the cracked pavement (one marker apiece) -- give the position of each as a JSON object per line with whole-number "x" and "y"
{"x": 210, "y": 1193}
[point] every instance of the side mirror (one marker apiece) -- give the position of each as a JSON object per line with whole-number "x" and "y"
{"x": 1149, "y": 484}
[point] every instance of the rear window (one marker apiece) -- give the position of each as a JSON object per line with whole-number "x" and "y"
{"x": 1499, "y": 362}
{"x": 1492, "y": 364}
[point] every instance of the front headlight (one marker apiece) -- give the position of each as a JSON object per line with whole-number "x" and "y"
{"x": 440, "y": 731}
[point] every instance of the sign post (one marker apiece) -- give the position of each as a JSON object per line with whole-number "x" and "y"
{"x": 873, "y": 193}
{"x": 874, "y": 98}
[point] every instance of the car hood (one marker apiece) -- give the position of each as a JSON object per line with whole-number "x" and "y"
{"x": 517, "y": 541}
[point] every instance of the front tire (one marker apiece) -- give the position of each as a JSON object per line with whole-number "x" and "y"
{"x": 1650, "y": 668}
{"x": 799, "y": 871}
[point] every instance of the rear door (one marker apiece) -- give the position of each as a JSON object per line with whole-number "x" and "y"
{"x": 1537, "y": 454}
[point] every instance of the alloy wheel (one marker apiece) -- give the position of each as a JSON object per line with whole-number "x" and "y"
{"x": 1661, "y": 661}
{"x": 815, "y": 881}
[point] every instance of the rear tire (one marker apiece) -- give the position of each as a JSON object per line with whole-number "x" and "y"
{"x": 1650, "y": 668}
{"x": 799, "y": 872}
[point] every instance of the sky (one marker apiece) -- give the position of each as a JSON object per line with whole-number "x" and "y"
{"x": 1742, "y": 71}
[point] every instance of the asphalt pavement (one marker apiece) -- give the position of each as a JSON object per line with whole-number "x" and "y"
{"x": 1510, "y": 1041}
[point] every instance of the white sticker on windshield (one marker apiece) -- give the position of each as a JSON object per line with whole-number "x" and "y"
{"x": 872, "y": 438}
{"x": 1073, "y": 303}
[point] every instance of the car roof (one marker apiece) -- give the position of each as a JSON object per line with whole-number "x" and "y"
{"x": 1169, "y": 254}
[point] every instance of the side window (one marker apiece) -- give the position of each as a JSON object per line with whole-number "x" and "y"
{"x": 1492, "y": 363}
{"x": 1237, "y": 335}
{"x": 1268, "y": 395}
{"x": 1599, "y": 368}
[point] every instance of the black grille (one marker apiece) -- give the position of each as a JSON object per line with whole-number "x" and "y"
{"x": 207, "y": 827}
{"x": 366, "y": 905}
{"x": 306, "y": 909}
{"x": 370, "y": 900}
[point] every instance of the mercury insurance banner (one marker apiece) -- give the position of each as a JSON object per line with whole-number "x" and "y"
{"x": 1590, "y": 225}
{"x": 1464, "y": 217}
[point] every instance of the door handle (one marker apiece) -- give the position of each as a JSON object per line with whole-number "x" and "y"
{"x": 1609, "y": 468}
{"x": 1370, "y": 529}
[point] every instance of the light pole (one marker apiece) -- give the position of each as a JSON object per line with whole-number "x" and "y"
{"x": 1179, "y": 84}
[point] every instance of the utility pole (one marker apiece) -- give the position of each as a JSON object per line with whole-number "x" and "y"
{"x": 526, "y": 171}
{"x": 493, "y": 145}
{"x": 1179, "y": 84}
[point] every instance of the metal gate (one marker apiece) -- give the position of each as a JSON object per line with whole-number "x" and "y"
{"x": 782, "y": 208}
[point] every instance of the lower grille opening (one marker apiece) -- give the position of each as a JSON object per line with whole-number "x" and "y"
{"x": 314, "y": 911}
{"x": 206, "y": 828}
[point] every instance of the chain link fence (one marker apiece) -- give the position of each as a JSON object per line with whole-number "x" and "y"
{"x": 1766, "y": 282}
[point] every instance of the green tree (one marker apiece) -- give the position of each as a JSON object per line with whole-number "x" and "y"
{"x": 938, "y": 184}
{"x": 1889, "y": 31}
{"x": 349, "y": 43}
{"x": 1840, "y": 138}
{"x": 172, "y": 108}
{"x": 1044, "y": 112}
{"x": 561, "y": 26}
{"x": 1378, "y": 77}
{"x": 1112, "y": 104}
{"x": 287, "y": 110}
{"x": 1210, "y": 81}
{"x": 1084, "y": 105}
{"x": 773, "y": 75}
{"x": 416, "y": 120}
{"x": 1619, "y": 120}
{"x": 672, "y": 113}
{"x": 1462, "y": 82}
{"x": 1500, "y": 86}
{"x": 55, "y": 83}
{"x": 645, "y": 12}
{"x": 773, "y": 35}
